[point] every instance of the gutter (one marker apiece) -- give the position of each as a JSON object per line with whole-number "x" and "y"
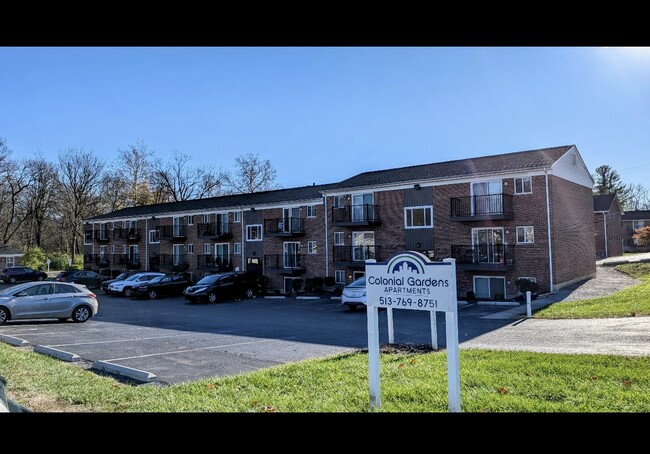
{"x": 548, "y": 227}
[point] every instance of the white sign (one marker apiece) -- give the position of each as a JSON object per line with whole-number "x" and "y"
{"x": 410, "y": 281}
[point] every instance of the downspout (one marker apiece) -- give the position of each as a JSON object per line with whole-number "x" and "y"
{"x": 243, "y": 240}
{"x": 146, "y": 244}
{"x": 327, "y": 256}
{"x": 605, "y": 224}
{"x": 548, "y": 226}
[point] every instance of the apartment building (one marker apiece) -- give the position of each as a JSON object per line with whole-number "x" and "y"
{"x": 523, "y": 214}
{"x": 631, "y": 221}
{"x": 608, "y": 230}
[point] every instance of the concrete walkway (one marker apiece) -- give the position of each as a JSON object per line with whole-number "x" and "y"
{"x": 622, "y": 259}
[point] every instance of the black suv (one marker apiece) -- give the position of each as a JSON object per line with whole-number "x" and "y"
{"x": 15, "y": 274}
{"x": 224, "y": 286}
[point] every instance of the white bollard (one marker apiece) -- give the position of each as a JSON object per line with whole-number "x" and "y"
{"x": 434, "y": 330}
{"x": 391, "y": 330}
{"x": 529, "y": 312}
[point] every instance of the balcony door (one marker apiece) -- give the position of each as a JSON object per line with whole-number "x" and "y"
{"x": 487, "y": 245}
{"x": 177, "y": 253}
{"x": 178, "y": 226}
{"x": 290, "y": 253}
{"x": 290, "y": 220}
{"x": 221, "y": 223}
{"x": 222, "y": 254}
{"x": 362, "y": 207}
{"x": 486, "y": 197}
{"x": 363, "y": 246}
{"x": 133, "y": 253}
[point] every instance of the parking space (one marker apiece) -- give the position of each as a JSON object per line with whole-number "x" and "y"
{"x": 178, "y": 341}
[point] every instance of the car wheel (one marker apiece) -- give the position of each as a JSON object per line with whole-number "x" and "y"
{"x": 4, "y": 315}
{"x": 40, "y": 278}
{"x": 12, "y": 280}
{"x": 352, "y": 307}
{"x": 128, "y": 292}
{"x": 249, "y": 293}
{"x": 212, "y": 297}
{"x": 81, "y": 314}
{"x": 152, "y": 294}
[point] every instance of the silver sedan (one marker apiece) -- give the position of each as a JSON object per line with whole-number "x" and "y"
{"x": 36, "y": 300}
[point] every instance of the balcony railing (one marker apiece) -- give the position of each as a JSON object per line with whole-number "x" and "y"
{"x": 284, "y": 263}
{"x": 353, "y": 215}
{"x": 215, "y": 263}
{"x": 130, "y": 234}
{"x": 102, "y": 235}
{"x": 356, "y": 255}
{"x": 128, "y": 261}
{"x": 284, "y": 227}
{"x": 214, "y": 230}
{"x": 172, "y": 232}
{"x": 484, "y": 257}
{"x": 99, "y": 260}
{"x": 482, "y": 207}
{"x": 173, "y": 262}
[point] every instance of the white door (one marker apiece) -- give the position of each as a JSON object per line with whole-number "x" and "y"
{"x": 290, "y": 256}
{"x": 363, "y": 246}
{"x": 362, "y": 207}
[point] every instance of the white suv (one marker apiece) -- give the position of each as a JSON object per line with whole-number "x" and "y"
{"x": 126, "y": 286}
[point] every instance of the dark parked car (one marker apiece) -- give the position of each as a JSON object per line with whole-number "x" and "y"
{"x": 224, "y": 286}
{"x": 88, "y": 278}
{"x": 15, "y": 274}
{"x": 168, "y": 285}
{"x": 120, "y": 277}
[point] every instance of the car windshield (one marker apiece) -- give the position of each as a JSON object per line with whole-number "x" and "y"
{"x": 361, "y": 282}
{"x": 121, "y": 277}
{"x": 155, "y": 280}
{"x": 132, "y": 278}
{"x": 14, "y": 288}
{"x": 209, "y": 279}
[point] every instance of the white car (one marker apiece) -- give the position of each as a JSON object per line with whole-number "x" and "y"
{"x": 354, "y": 294}
{"x": 126, "y": 286}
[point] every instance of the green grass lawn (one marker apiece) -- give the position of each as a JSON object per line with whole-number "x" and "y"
{"x": 630, "y": 302}
{"x": 491, "y": 381}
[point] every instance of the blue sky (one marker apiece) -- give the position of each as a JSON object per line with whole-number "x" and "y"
{"x": 324, "y": 114}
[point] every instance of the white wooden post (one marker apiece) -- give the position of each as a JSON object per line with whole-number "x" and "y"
{"x": 373, "y": 356}
{"x": 391, "y": 330}
{"x": 529, "y": 312}
{"x": 434, "y": 329}
{"x": 453, "y": 360}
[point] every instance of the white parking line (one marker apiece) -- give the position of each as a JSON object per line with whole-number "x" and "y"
{"x": 197, "y": 349}
{"x": 134, "y": 339}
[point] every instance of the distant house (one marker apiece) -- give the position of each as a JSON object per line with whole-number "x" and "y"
{"x": 9, "y": 256}
{"x": 631, "y": 221}
{"x": 607, "y": 225}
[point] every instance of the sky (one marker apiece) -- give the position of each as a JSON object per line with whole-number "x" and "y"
{"x": 322, "y": 114}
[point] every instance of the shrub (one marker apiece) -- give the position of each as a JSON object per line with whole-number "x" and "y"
{"x": 59, "y": 260}
{"x": 525, "y": 285}
{"x": 329, "y": 281}
{"x": 337, "y": 291}
{"x": 296, "y": 284}
{"x": 314, "y": 284}
{"x": 471, "y": 296}
{"x": 34, "y": 258}
{"x": 498, "y": 296}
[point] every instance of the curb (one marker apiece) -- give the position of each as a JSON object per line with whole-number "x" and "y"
{"x": 307, "y": 297}
{"x": 13, "y": 340}
{"x": 498, "y": 303}
{"x": 135, "y": 374}
{"x": 59, "y": 354}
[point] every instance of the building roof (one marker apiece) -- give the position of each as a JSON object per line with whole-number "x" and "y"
{"x": 235, "y": 201}
{"x": 520, "y": 160}
{"x": 8, "y": 251}
{"x": 636, "y": 215}
{"x": 603, "y": 202}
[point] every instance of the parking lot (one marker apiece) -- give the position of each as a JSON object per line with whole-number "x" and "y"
{"x": 177, "y": 341}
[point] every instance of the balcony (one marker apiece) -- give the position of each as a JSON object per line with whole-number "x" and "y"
{"x": 484, "y": 257}
{"x": 127, "y": 261}
{"x": 175, "y": 263}
{"x": 102, "y": 236}
{"x": 214, "y": 263}
{"x": 356, "y": 256}
{"x": 356, "y": 215}
{"x": 284, "y": 227}
{"x": 130, "y": 235}
{"x": 172, "y": 232}
{"x": 491, "y": 207}
{"x": 214, "y": 230}
{"x": 285, "y": 264}
{"x": 99, "y": 260}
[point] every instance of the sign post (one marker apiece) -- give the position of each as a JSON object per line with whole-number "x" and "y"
{"x": 409, "y": 280}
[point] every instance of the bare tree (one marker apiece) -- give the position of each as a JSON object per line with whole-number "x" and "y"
{"x": 80, "y": 176}
{"x": 638, "y": 197}
{"x": 39, "y": 198}
{"x": 177, "y": 180}
{"x": 251, "y": 174}
{"x": 14, "y": 181}
{"x": 134, "y": 166}
{"x": 114, "y": 190}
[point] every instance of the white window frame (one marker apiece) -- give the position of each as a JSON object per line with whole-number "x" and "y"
{"x": 124, "y": 224}
{"x": 133, "y": 224}
{"x": 11, "y": 261}
{"x": 124, "y": 249}
{"x": 113, "y": 225}
{"x": 112, "y": 249}
{"x": 236, "y": 248}
{"x": 408, "y": 216}
{"x": 311, "y": 211}
{"x": 524, "y": 238}
{"x": 207, "y": 248}
{"x": 190, "y": 248}
{"x": 337, "y": 201}
{"x": 103, "y": 251}
{"x": 339, "y": 276}
{"x": 312, "y": 247}
{"x": 88, "y": 238}
{"x": 236, "y": 216}
{"x": 523, "y": 180}
{"x": 206, "y": 218}
{"x": 152, "y": 235}
{"x": 489, "y": 289}
{"x": 178, "y": 251}
{"x": 339, "y": 238}
{"x": 190, "y": 220}
{"x": 249, "y": 229}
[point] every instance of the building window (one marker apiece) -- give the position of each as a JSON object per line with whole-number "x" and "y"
{"x": 523, "y": 185}
{"x": 190, "y": 249}
{"x": 254, "y": 232}
{"x": 112, "y": 249}
{"x": 206, "y": 248}
{"x": 311, "y": 247}
{"x": 88, "y": 237}
{"x": 236, "y": 216}
{"x": 531, "y": 279}
{"x": 637, "y": 225}
{"x": 339, "y": 276}
{"x": 124, "y": 224}
{"x": 154, "y": 236}
{"x": 237, "y": 248}
{"x": 113, "y": 225}
{"x": 338, "y": 201}
{"x": 124, "y": 249}
{"x": 525, "y": 234}
{"x": 311, "y": 211}
{"x": 418, "y": 217}
{"x": 206, "y": 218}
{"x": 190, "y": 220}
{"x": 338, "y": 239}
{"x": 490, "y": 287}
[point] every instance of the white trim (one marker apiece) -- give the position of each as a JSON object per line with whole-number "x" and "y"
{"x": 514, "y": 184}
{"x": 260, "y": 238}
{"x": 342, "y": 235}
{"x": 550, "y": 243}
{"x": 313, "y": 209}
{"x": 149, "y": 236}
{"x": 314, "y": 248}
{"x": 489, "y": 288}
{"x": 422, "y": 207}
{"x": 188, "y": 248}
{"x": 234, "y": 248}
{"x": 338, "y": 273}
{"x": 524, "y": 227}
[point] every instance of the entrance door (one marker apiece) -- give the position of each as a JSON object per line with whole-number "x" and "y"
{"x": 363, "y": 246}
{"x": 291, "y": 254}
{"x": 487, "y": 245}
{"x": 253, "y": 265}
{"x": 363, "y": 207}
{"x": 222, "y": 255}
{"x": 487, "y": 197}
